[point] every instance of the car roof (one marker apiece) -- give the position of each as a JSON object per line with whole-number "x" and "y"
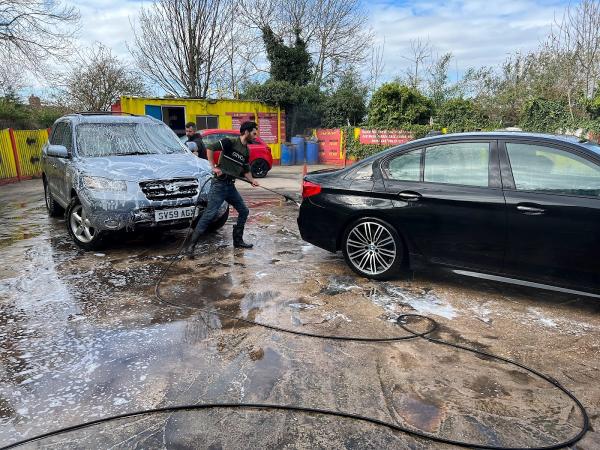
{"x": 219, "y": 130}
{"x": 80, "y": 118}
{"x": 587, "y": 146}
{"x": 506, "y": 134}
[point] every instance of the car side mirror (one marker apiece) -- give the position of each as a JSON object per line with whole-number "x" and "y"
{"x": 59, "y": 151}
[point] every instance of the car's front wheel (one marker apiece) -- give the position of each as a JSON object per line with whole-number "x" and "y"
{"x": 54, "y": 209}
{"x": 373, "y": 248}
{"x": 80, "y": 228}
{"x": 259, "y": 168}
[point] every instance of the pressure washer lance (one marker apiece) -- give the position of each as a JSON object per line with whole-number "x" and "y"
{"x": 287, "y": 197}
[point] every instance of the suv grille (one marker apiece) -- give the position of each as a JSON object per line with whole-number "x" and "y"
{"x": 169, "y": 189}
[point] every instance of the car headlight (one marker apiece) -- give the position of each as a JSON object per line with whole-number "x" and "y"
{"x": 104, "y": 184}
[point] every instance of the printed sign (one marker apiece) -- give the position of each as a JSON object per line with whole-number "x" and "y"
{"x": 267, "y": 127}
{"x": 384, "y": 137}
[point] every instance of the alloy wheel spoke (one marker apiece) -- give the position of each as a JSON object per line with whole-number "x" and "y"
{"x": 388, "y": 253}
{"x": 362, "y": 262}
{"x": 359, "y": 236}
{"x": 77, "y": 218}
{"x": 357, "y": 253}
{"x": 384, "y": 264}
{"x": 378, "y": 233}
{"x": 386, "y": 241}
{"x": 353, "y": 243}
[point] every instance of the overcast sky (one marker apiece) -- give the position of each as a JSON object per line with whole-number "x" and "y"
{"x": 477, "y": 32}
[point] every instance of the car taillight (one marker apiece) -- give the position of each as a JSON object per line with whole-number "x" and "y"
{"x": 309, "y": 189}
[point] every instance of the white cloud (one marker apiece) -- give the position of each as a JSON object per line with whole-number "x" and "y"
{"x": 108, "y": 22}
{"x": 477, "y": 32}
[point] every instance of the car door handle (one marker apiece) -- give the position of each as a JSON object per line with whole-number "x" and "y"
{"x": 531, "y": 210}
{"x": 409, "y": 196}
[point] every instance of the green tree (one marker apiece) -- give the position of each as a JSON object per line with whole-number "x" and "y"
{"x": 394, "y": 105}
{"x": 288, "y": 85}
{"x": 13, "y": 114}
{"x": 346, "y": 105}
{"x": 289, "y": 63}
{"x": 460, "y": 114}
{"x": 547, "y": 116}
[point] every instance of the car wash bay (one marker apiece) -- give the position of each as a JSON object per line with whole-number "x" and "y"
{"x": 83, "y": 337}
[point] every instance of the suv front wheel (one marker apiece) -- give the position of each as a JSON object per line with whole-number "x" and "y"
{"x": 80, "y": 228}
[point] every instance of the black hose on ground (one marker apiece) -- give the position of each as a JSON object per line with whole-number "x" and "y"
{"x": 266, "y": 406}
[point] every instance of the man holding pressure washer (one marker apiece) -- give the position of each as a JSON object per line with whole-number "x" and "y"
{"x": 233, "y": 163}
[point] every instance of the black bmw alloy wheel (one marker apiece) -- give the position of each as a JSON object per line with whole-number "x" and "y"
{"x": 372, "y": 248}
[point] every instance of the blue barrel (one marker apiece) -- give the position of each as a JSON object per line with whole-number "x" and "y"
{"x": 299, "y": 142}
{"x": 312, "y": 152}
{"x": 288, "y": 154}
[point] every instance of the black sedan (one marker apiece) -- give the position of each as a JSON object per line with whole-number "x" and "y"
{"x": 507, "y": 206}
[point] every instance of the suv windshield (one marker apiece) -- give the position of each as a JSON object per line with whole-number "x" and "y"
{"x": 121, "y": 139}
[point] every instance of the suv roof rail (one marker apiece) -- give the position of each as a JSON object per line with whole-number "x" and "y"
{"x": 108, "y": 113}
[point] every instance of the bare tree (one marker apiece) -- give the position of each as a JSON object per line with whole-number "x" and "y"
{"x": 376, "y": 65}
{"x": 576, "y": 40}
{"x": 334, "y": 30}
{"x": 439, "y": 87}
{"x": 339, "y": 38}
{"x": 97, "y": 80}
{"x": 240, "y": 67}
{"x": 11, "y": 79}
{"x": 181, "y": 44}
{"x": 33, "y": 30}
{"x": 420, "y": 52}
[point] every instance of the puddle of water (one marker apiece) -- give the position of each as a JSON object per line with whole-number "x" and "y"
{"x": 426, "y": 415}
{"x": 338, "y": 285}
{"x": 392, "y": 298}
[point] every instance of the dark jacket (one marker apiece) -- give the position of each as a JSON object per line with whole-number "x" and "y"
{"x": 197, "y": 139}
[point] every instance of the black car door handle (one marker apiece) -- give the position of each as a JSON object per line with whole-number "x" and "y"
{"x": 531, "y": 210}
{"x": 409, "y": 196}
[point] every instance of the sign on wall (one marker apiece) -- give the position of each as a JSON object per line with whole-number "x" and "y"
{"x": 267, "y": 127}
{"x": 384, "y": 137}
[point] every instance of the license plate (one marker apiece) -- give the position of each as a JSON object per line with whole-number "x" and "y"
{"x": 174, "y": 214}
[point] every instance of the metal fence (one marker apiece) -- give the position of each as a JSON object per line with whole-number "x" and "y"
{"x": 20, "y": 154}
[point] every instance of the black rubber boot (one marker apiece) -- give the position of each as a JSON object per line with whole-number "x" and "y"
{"x": 238, "y": 240}
{"x": 191, "y": 247}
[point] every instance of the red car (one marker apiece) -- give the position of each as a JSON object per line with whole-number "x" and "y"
{"x": 261, "y": 159}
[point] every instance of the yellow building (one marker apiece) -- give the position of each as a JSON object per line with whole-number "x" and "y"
{"x": 209, "y": 113}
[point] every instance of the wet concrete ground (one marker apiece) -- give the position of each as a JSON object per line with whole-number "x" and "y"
{"x": 83, "y": 337}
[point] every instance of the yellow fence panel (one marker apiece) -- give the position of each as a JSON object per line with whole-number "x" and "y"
{"x": 8, "y": 168}
{"x": 29, "y": 151}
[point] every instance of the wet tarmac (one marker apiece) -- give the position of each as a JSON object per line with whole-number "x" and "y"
{"x": 82, "y": 337}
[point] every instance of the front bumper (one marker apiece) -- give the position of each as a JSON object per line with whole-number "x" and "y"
{"x": 118, "y": 210}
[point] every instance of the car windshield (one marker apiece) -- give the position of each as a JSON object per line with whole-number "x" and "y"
{"x": 122, "y": 139}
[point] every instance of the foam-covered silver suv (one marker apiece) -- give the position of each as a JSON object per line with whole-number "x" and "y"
{"x": 110, "y": 172}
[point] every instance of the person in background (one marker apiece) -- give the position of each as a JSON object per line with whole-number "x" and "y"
{"x": 195, "y": 137}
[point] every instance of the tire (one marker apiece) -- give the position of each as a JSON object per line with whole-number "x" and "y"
{"x": 373, "y": 249}
{"x": 80, "y": 229}
{"x": 54, "y": 209}
{"x": 259, "y": 168}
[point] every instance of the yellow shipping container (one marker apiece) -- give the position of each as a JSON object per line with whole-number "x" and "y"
{"x": 209, "y": 113}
